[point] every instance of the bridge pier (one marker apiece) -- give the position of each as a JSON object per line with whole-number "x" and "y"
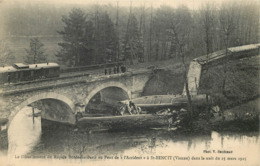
{"x": 3, "y": 135}
{"x": 136, "y": 94}
{"x": 3, "y": 123}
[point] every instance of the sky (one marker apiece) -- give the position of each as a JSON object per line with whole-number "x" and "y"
{"x": 193, "y": 4}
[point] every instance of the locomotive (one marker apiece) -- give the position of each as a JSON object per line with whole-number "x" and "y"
{"x": 20, "y": 72}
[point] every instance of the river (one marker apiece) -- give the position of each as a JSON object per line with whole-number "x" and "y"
{"x": 28, "y": 138}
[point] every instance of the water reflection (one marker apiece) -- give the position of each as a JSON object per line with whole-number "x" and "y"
{"x": 24, "y": 132}
{"x": 26, "y": 137}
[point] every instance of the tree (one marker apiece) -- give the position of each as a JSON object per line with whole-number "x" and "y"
{"x": 227, "y": 25}
{"x": 133, "y": 48}
{"x": 6, "y": 55}
{"x": 150, "y": 35}
{"x": 72, "y": 48}
{"x": 142, "y": 32}
{"x": 162, "y": 23}
{"x": 35, "y": 54}
{"x": 246, "y": 20}
{"x": 105, "y": 38}
{"x": 207, "y": 14}
{"x": 117, "y": 34}
{"x": 180, "y": 32}
{"x": 227, "y": 22}
{"x": 87, "y": 56}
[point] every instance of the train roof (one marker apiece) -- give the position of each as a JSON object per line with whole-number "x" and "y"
{"x": 7, "y": 69}
{"x": 218, "y": 55}
{"x": 243, "y": 48}
{"x": 43, "y": 65}
{"x": 211, "y": 57}
{"x": 21, "y": 66}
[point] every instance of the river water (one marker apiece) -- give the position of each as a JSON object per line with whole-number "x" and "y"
{"x": 31, "y": 140}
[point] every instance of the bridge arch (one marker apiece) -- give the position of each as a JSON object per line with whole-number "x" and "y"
{"x": 107, "y": 85}
{"x": 41, "y": 96}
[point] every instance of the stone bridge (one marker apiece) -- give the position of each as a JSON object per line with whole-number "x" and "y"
{"x": 71, "y": 94}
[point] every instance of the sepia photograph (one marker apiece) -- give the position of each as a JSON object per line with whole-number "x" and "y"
{"x": 129, "y": 82}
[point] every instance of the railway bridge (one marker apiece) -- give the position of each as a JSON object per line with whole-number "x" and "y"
{"x": 70, "y": 94}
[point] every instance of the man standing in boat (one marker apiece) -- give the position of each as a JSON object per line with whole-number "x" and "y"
{"x": 133, "y": 108}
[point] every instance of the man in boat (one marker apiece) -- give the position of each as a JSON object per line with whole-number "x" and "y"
{"x": 8, "y": 78}
{"x": 117, "y": 69}
{"x": 123, "y": 108}
{"x": 134, "y": 109}
{"x": 123, "y": 69}
{"x": 129, "y": 107}
{"x": 114, "y": 69}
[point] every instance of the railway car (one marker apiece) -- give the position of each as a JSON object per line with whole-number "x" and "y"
{"x": 20, "y": 72}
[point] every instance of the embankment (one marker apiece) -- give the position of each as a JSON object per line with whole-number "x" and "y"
{"x": 233, "y": 85}
{"x": 168, "y": 80}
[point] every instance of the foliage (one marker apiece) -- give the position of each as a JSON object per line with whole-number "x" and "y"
{"x": 88, "y": 44}
{"x": 6, "y": 56}
{"x": 133, "y": 48}
{"x": 180, "y": 31}
{"x": 162, "y": 22}
{"x": 35, "y": 54}
{"x": 87, "y": 41}
{"x": 73, "y": 37}
{"x": 105, "y": 38}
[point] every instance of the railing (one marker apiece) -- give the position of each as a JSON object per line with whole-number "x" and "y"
{"x": 91, "y": 67}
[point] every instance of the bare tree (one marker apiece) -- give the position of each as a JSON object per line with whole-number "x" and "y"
{"x": 117, "y": 35}
{"x": 180, "y": 31}
{"x": 227, "y": 22}
{"x": 207, "y": 15}
{"x": 142, "y": 31}
{"x": 150, "y": 35}
{"x": 227, "y": 25}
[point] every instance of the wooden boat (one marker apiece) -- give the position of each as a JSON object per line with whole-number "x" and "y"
{"x": 155, "y": 112}
{"x": 166, "y": 101}
{"x": 125, "y": 121}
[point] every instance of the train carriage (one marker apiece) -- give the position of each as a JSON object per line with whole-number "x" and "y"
{"x": 45, "y": 70}
{"x": 20, "y": 72}
{"x": 6, "y": 73}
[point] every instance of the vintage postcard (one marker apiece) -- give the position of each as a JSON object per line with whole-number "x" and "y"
{"x": 129, "y": 82}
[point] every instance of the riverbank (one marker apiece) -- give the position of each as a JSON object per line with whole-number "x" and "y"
{"x": 242, "y": 118}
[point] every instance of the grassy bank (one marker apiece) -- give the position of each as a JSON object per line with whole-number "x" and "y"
{"x": 232, "y": 83}
{"x": 243, "y": 117}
